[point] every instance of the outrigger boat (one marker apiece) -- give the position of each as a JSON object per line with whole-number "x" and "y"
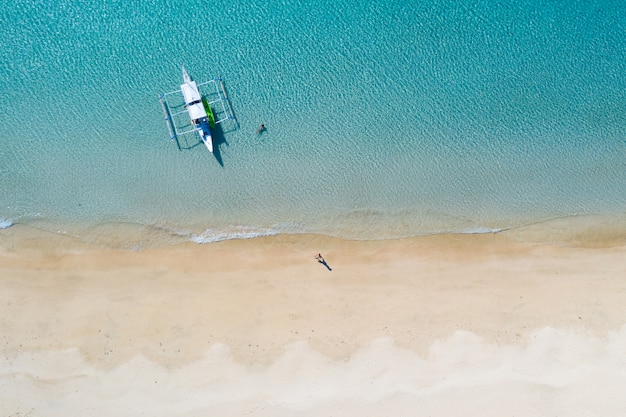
{"x": 199, "y": 107}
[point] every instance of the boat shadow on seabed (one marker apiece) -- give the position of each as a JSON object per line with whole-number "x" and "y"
{"x": 219, "y": 138}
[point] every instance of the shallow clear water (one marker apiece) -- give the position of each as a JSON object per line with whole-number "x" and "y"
{"x": 384, "y": 119}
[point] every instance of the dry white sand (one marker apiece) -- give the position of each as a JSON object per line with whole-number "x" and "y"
{"x": 472, "y": 325}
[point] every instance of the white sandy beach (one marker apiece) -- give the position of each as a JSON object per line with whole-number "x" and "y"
{"x": 472, "y": 325}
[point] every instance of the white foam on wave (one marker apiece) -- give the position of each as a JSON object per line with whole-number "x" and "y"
{"x": 481, "y": 231}
{"x": 5, "y": 223}
{"x": 237, "y": 232}
{"x": 554, "y": 372}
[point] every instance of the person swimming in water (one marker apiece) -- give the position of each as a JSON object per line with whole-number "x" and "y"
{"x": 261, "y": 129}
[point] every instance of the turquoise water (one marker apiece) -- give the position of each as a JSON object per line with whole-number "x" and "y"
{"x": 384, "y": 118}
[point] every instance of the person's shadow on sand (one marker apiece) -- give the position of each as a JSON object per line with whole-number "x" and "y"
{"x": 321, "y": 260}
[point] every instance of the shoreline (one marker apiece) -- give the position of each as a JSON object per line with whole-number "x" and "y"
{"x": 588, "y": 230}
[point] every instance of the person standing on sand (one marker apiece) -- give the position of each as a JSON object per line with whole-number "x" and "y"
{"x": 321, "y": 260}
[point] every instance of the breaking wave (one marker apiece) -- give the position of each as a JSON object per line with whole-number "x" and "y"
{"x": 239, "y": 232}
{"x": 5, "y": 223}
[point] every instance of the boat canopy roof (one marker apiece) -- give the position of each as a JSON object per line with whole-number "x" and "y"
{"x": 193, "y": 100}
{"x": 190, "y": 92}
{"x": 196, "y": 111}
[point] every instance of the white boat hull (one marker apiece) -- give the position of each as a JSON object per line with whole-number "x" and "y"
{"x": 208, "y": 141}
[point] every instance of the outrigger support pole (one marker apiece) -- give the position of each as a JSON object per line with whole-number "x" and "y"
{"x": 230, "y": 109}
{"x": 168, "y": 120}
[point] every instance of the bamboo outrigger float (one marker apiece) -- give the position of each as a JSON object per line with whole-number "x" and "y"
{"x": 205, "y": 111}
